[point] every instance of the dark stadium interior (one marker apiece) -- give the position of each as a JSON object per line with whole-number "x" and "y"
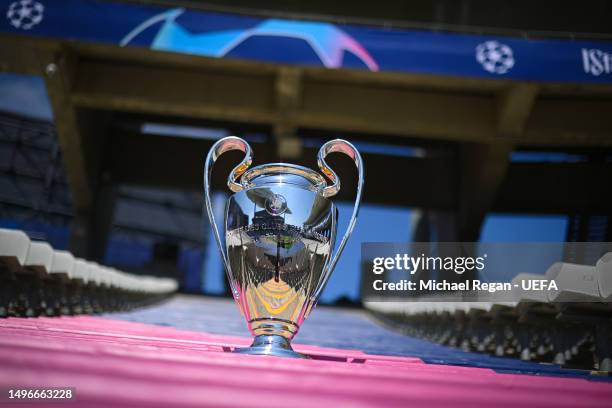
{"x": 541, "y": 18}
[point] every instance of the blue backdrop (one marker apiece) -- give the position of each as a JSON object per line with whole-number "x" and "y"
{"x": 310, "y": 43}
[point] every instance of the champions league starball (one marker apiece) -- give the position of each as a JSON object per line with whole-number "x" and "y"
{"x": 495, "y": 57}
{"x": 25, "y": 14}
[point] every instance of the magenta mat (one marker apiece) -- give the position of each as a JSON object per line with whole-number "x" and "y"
{"x": 119, "y": 363}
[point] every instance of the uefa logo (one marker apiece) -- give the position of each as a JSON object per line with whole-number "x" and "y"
{"x": 25, "y": 14}
{"x": 276, "y": 204}
{"x": 495, "y": 57}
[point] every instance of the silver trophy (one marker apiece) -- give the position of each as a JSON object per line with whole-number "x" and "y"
{"x": 280, "y": 231}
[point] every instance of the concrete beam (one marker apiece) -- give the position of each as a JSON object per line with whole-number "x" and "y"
{"x": 427, "y": 107}
{"x": 59, "y": 77}
{"x": 482, "y": 169}
{"x": 81, "y": 139}
{"x": 288, "y": 93}
{"x": 399, "y": 105}
{"x": 514, "y": 106}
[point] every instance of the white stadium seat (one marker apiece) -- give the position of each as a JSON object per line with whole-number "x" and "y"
{"x": 81, "y": 270}
{"x": 604, "y": 277}
{"x": 39, "y": 258}
{"x": 14, "y": 246}
{"x": 38, "y": 280}
{"x": 95, "y": 275}
{"x": 526, "y": 327}
{"x": 479, "y": 306}
{"x": 63, "y": 263}
{"x": 575, "y": 283}
{"x": 496, "y": 306}
{"x": 113, "y": 278}
{"x": 107, "y": 276}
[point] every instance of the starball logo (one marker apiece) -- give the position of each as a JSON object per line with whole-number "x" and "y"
{"x": 25, "y": 14}
{"x": 596, "y": 61}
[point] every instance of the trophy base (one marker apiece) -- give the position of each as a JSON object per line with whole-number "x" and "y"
{"x": 270, "y": 345}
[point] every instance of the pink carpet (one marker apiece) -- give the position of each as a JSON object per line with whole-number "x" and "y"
{"x": 119, "y": 363}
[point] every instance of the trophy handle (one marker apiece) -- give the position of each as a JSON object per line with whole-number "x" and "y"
{"x": 221, "y": 146}
{"x": 339, "y": 146}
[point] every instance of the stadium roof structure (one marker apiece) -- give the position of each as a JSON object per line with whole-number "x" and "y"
{"x": 529, "y": 18}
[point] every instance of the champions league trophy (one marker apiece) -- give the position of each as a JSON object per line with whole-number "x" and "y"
{"x": 280, "y": 230}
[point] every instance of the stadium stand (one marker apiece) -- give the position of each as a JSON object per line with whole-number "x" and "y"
{"x": 36, "y": 280}
{"x": 569, "y": 327}
{"x": 464, "y": 112}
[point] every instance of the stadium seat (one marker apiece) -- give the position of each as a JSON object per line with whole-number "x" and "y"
{"x": 604, "y": 277}
{"x": 63, "y": 264}
{"x": 39, "y": 258}
{"x": 35, "y": 279}
{"x": 14, "y": 246}
{"x": 580, "y": 284}
{"x": 576, "y": 283}
{"x": 567, "y": 326}
{"x": 56, "y": 287}
{"x": 31, "y": 277}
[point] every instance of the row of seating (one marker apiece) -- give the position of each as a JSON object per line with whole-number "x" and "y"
{"x": 576, "y": 283}
{"x": 570, "y": 326}
{"x": 37, "y": 280}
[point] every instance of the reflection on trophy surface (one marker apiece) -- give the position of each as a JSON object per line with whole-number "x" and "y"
{"x": 278, "y": 255}
{"x": 280, "y": 230}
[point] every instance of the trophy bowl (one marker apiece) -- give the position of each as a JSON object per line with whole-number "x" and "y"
{"x": 280, "y": 230}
